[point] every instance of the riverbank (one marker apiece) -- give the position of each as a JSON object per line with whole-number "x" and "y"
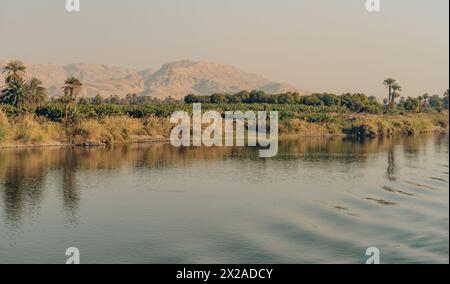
{"x": 34, "y": 131}
{"x": 369, "y": 125}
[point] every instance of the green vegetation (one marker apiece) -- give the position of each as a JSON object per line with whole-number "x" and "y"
{"x": 367, "y": 125}
{"x": 28, "y": 118}
{"x": 19, "y": 92}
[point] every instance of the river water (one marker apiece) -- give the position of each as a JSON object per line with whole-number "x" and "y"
{"x": 318, "y": 201}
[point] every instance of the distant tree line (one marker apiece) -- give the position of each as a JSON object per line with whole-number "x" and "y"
{"x": 129, "y": 99}
{"x": 357, "y": 102}
{"x": 353, "y": 102}
{"x": 22, "y": 94}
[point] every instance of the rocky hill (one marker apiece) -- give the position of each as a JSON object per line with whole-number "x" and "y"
{"x": 175, "y": 79}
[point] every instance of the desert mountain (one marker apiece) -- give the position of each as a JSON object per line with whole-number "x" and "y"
{"x": 175, "y": 79}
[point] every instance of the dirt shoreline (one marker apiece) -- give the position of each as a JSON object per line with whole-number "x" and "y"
{"x": 166, "y": 140}
{"x": 85, "y": 145}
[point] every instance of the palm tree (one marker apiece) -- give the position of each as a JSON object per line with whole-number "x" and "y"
{"x": 421, "y": 103}
{"x": 446, "y": 98}
{"x": 35, "y": 92}
{"x": 396, "y": 89}
{"x": 14, "y": 94}
{"x": 14, "y": 91}
{"x": 388, "y": 83}
{"x": 72, "y": 89}
{"x": 15, "y": 71}
{"x": 426, "y": 97}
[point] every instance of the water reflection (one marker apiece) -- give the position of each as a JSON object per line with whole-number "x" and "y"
{"x": 70, "y": 190}
{"x": 391, "y": 164}
{"x": 24, "y": 172}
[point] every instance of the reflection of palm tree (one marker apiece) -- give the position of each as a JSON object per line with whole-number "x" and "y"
{"x": 71, "y": 196}
{"x": 13, "y": 199}
{"x": 391, "y": 164}
{"x": 22, "y": 186}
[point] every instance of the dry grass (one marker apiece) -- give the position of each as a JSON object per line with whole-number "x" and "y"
{"x": 110, "y": 130}
{"x": 300, "y": 128}
{"x": 368, "y": 125}
{"x": 388, "y": 125}
{"x": 4, "y": 127}
{"x": 157, "y": 128}
{"x": 31, "y": 130}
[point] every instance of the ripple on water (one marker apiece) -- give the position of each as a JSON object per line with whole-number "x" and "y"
{"x": 317, "y": 202}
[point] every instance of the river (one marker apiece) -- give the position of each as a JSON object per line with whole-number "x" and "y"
{"x": 318, "y": 201}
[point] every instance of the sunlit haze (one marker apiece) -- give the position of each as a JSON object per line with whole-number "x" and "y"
{"x": 320, "y": 45}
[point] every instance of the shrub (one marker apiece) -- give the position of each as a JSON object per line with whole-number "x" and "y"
{"x": 10, "y": 110}
{"x": 4, "y": 126}
{"x": 156, "y": 127}
{"x": 122, "y": 127}
{"x": 54, "y": 112}
{"x": 89, "y": 132}
{"x": 26, "y": 129}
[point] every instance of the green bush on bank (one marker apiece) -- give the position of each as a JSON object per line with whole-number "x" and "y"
{"x": 56, "y": 111}
{"x": 315, "y": 108}
{"x": 312, "y": 114}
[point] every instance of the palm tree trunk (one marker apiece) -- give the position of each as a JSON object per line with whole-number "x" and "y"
{"x": 390, "y": 97}
{"x": 66, "y": 113}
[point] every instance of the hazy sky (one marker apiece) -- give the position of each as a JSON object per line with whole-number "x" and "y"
{"x": 317, "y": 45}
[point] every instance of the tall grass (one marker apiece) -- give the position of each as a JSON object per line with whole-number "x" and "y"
{"x": 28, "y": 129}
{"x": 118, "y": 129}
{"x": 367, "y": 125}
{"x": 4, "y": 127}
